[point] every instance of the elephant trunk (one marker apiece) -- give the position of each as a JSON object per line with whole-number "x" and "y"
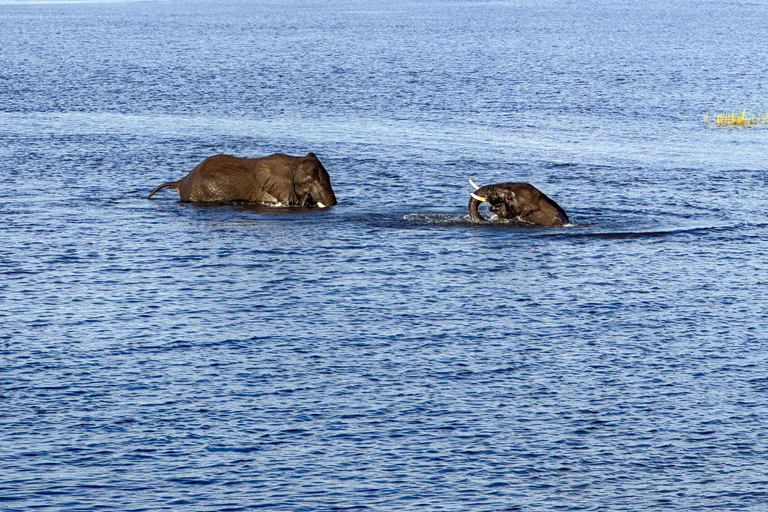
{"x": 322, "y": 194}
{"x": 474, "y": 208}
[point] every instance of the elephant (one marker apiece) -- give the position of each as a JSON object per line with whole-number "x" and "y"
{"x": 521, "y": 202}
{"x": 274, "y": 180}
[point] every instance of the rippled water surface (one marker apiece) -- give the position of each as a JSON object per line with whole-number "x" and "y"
{"x": 384, "y": 354}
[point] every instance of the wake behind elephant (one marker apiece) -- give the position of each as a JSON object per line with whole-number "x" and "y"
{"x": 521, "y": 202}
{"x": 274, "y": 180}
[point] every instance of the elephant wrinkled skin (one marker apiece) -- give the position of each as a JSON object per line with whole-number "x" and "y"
{"x": 521, "y": 202}
{"x": 274, "y": 180}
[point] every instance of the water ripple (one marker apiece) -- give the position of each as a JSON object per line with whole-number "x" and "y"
{"x": 386, "y": 353}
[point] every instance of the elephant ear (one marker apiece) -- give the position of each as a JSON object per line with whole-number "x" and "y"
{"x": 276, "y": 179}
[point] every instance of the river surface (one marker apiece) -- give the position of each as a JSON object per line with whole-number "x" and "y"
{"x": 386, "y": 353}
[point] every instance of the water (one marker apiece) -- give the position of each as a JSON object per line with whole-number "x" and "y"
{"x": 385, "y": 354}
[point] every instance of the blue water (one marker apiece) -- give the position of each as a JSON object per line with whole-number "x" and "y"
{"x": 384, "y": 354}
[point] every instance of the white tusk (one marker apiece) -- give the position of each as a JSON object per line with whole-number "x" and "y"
{"x": 479, "y": 198}
{"x": 473, "y": 184}
{"x": 321, "y": 205}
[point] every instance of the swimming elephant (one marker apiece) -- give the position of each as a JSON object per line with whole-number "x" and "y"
{"x": 278, "y": 180}
{"x": 521, "y": 202}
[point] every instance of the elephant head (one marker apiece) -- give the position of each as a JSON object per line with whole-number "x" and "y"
{"x": 312, "y": 185}
{"x": 521, "y": 202}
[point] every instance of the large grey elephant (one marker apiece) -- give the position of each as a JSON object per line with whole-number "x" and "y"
{"x": 521, "y": 202}
{"x": 276, "y": 180}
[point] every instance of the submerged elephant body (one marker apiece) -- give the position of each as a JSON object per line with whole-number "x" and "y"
{"x": 279, "y": 180}
{"x": 521, "y": 202}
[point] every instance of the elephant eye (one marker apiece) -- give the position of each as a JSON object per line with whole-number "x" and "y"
{"x": 304, "y": 180}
